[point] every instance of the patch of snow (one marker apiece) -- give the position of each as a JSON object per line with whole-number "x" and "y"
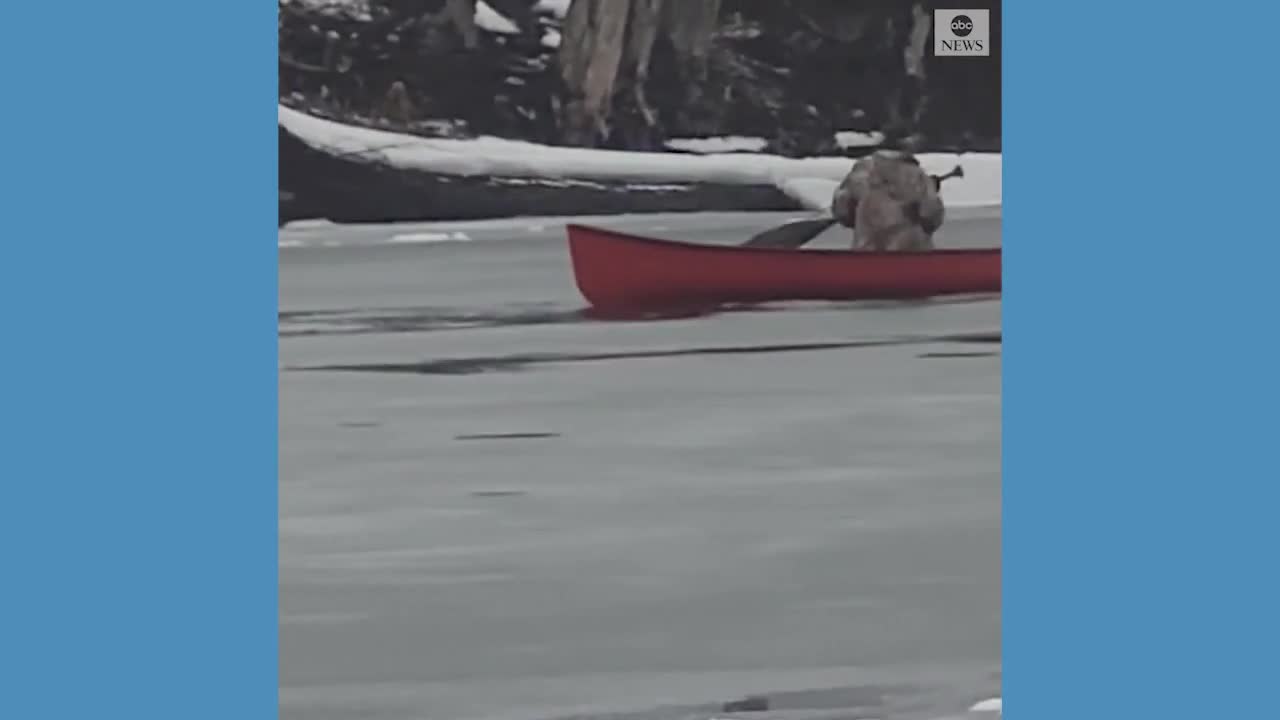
{"x": 991, "y": 705}
{"x": 712, "y": 145}
{"x": 551, "y": 39}
{"x": 428, "y": 237}
{"x": 558, "y": 8}
{"x": 358, "y": 9}
{"x": 548, "y": 182}
{"x": 657, "y": 188}
{"x": 309, "y": 225}
{"x": 805, "y": 179}
{"x": 855, "y": 139}
{"x": 489, "y": 19}
{"x": 741, "y": 32}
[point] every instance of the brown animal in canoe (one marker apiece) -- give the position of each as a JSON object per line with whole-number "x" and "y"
{"x": 891, "y": 203}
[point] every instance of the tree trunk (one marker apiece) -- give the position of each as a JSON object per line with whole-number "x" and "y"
{"x": 462, "y": 13}
{"x": 590, "y": 56}
{"x": 605, "y": 56}
{"x": 913, "y": 60}
{"x": 638, "y": 120}
{"x": 690, "y": 25}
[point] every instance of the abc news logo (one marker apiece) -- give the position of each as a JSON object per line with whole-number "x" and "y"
{"x": 962, "y": 33}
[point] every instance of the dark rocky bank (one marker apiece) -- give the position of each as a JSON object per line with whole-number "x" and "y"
{"x": 793, "y": 72}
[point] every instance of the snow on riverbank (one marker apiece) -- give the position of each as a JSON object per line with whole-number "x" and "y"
{"x": 713, "y": 145}
{"x": 810, "y": 181}
{"x": 854, "y": 139}
{"x": 489, "y": 19}
{"x": 558, "y": 8}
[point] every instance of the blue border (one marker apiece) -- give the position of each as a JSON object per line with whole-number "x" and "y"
{"x": 138, "y": 361}
{"x": 1140, "y": 392}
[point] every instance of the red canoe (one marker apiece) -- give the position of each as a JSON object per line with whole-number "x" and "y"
{"x": 616, "y": 271}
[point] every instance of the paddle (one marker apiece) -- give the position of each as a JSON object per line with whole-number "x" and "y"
{"x": 792, "y": 234}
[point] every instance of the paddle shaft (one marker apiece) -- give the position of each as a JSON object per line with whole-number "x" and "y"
{"x": 791, "y": 235}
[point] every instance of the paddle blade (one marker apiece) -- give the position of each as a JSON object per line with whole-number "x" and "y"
{"x": 791, "y": 235}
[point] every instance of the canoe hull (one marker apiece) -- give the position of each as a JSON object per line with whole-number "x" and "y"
{"x": 616, "y": 271}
